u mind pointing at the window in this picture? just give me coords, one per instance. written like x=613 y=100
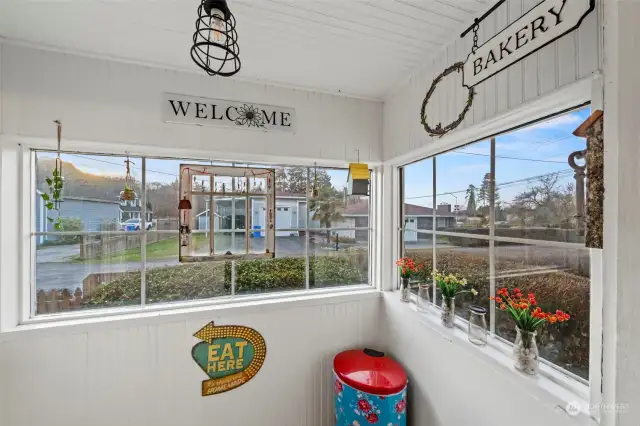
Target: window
x=527 y=231
x=114 y=253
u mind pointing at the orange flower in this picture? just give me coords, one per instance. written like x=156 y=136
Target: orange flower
x=499 y=299
x=503 y=307
x=524 y=305
x=552 y=319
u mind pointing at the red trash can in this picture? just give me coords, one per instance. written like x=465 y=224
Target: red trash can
x=370 y=388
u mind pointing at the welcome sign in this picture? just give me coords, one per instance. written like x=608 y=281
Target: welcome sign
x=218 y=112
x=230 y=355
x=546 y=22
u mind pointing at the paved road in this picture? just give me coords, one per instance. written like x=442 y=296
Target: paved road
x=57 y=253
x=53 y=271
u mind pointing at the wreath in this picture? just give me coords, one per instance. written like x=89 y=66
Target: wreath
x=439 y=130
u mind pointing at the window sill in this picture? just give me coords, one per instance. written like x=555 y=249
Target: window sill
x=550 y=384
x=168 y=312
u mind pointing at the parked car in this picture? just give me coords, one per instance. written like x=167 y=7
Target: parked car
x=134 y=225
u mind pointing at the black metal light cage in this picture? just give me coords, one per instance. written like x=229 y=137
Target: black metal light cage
x=214 y=57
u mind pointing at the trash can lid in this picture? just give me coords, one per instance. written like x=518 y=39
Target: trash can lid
x=370 y=371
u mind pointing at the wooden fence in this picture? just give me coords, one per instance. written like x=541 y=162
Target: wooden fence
x=56 y=301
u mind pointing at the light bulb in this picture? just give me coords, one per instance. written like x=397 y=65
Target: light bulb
x=218 y=25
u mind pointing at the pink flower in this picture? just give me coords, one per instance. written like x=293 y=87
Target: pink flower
x=337 y=386
x=372 y=418
x=401 y=406
x=364 y=405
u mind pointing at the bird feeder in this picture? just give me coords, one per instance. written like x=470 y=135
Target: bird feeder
x=358 y=180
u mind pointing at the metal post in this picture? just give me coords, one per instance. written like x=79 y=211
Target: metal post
x=579 y=177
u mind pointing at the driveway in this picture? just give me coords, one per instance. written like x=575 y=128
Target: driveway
x=57 y=253
x=53 y=271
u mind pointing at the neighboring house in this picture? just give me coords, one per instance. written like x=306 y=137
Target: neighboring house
x=291 y=210
x=132 y=209
x=91 y=212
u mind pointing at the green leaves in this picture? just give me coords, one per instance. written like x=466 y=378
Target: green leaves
x=53 y=197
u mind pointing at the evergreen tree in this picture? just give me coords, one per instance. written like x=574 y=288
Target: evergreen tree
x=471 y=200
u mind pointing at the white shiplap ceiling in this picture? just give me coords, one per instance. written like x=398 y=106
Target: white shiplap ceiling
x=358 y=47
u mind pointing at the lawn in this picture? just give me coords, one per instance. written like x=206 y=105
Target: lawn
x=164 y=249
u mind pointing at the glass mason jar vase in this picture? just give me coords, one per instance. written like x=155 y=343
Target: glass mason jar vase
x=448 y=315
x=405 y=290
x=477 y=325
x=525 y=352
x=424 y=300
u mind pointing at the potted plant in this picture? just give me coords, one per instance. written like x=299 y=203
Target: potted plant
x=528 y=318
x=408 y=269
x=450 y=287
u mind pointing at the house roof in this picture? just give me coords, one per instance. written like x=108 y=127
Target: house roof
x=290 y=195
x=409 y=210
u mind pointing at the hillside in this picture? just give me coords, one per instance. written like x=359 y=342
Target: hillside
x=80 y=184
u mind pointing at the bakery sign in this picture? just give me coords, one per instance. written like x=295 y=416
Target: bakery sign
x=230 y=356
x=185 y=109
x=544 y=23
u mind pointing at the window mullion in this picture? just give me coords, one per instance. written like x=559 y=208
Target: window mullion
x=433 y=228
x=492 y=234
x=143 y=236
x=306 y=233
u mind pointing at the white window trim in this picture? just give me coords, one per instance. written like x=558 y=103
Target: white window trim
x=22 y=313
x=586 y=90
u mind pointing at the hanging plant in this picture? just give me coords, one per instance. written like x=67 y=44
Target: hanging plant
x=55 y=183
x=439 y=130
x=127 y=194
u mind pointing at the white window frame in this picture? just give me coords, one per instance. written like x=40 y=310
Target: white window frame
x=26 y=314
x=565 y=99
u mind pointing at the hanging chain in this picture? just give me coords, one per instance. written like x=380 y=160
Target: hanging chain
x=476 y=27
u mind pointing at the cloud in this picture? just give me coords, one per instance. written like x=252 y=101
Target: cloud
x=566 y=122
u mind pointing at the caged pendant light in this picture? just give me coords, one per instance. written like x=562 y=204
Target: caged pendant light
x=215 y=42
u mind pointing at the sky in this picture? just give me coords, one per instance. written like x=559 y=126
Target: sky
x=158 y=170
x=524 y=154
x=521 y=156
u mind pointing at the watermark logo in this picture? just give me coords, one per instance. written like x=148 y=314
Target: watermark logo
x=572 y=408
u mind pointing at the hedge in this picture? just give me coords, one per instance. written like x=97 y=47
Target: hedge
x=212 y=279
x=567 y=344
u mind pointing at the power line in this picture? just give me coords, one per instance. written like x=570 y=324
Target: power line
x=511 y=158
x=559 y=173
x=118 y=164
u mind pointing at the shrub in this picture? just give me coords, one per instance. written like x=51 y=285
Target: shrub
x=173 y=283
x=567 y=344
x=211 y=279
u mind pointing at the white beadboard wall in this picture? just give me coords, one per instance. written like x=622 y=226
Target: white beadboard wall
x=140 y=372
x=569 y=59
x=451 y=384
x=119 y=103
